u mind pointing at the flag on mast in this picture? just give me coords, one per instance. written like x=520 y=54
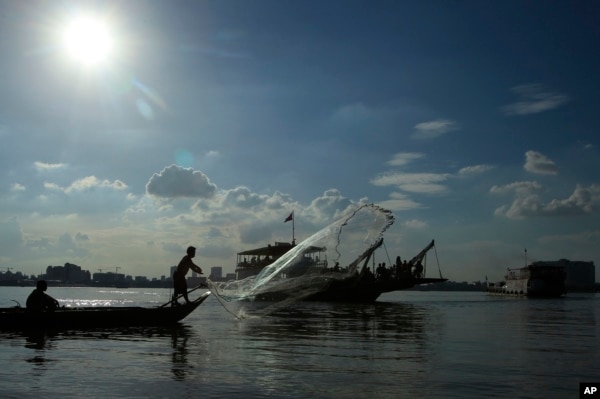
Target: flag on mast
x=291 y=217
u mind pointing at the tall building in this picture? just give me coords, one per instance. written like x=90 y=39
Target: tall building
x=581 y=276
x=216 y=273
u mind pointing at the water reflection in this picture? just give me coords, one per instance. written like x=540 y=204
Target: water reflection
x=379 y=320
x=43 y=343
x=179 y=340
x=378 y=341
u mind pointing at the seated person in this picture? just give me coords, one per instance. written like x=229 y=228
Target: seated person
x=38 y=300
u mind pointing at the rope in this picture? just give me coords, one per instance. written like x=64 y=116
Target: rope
x=438 y=261
x=386 y=253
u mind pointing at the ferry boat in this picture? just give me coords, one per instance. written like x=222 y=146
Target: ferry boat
x=535 y=280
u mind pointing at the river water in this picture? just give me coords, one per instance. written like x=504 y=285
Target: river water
x=409 y=344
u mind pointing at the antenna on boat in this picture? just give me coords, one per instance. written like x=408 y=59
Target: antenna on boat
x=525 y=257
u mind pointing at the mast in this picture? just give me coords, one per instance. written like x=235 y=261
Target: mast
x=421 y=254
x=291 y=217
x=293 y=229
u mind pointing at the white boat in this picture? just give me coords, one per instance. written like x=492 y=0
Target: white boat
x=535 y=280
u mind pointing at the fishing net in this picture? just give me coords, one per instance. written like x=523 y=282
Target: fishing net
x=336 y=252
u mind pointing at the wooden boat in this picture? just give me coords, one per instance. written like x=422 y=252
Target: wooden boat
x=535 y=280
x=365 y=285
x=18 y=318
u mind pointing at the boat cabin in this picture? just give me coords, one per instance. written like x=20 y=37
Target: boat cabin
x=251 y=262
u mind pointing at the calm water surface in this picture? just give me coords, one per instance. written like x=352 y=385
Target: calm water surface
x=409 y=344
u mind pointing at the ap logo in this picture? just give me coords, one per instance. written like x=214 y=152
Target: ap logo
x=589 y=390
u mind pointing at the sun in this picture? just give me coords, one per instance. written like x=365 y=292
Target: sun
x=88 y=41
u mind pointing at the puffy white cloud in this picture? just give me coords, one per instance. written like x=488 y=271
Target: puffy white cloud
x=177 y=182
x=328 y=206
x=583 y=200
x=242 y=197
x=534 y=98
x=433 y=129
x=527 y=203
x=539 y=163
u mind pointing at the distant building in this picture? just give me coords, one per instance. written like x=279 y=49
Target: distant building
x=69 y=273
x=195 y=281
x=581 y=276
x=216 y=273
x=230 y=276
x=109 y=278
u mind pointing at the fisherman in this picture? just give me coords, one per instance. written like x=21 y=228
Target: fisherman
x=179 y=281
x=419 y=270
x=39 y=301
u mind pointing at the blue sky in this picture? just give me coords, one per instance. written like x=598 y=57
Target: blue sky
x=207 y=122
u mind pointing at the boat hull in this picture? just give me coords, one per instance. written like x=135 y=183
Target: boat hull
x=86 y=317
x=352 y=290
x=368 y=291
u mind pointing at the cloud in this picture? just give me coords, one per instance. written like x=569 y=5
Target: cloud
x=534 y=98
x=42 y=166
x=519 y=187
x=330 y=205
x=584 y=200
x=399 y=202
x=426 y=183
x=177 y=182
x=527 y=203
x=540 y=164
x=90 y=183
x=242 y=197
x=415 y=224
x=212 y=155
x=85 y=184
x=88 y=195
x=16 y=187
x=421 y=183
x=403 y=158
x=474 y=170
x=433 y=129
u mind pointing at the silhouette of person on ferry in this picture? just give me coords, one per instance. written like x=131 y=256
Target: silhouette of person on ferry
x=39 y=301
x=179 y=281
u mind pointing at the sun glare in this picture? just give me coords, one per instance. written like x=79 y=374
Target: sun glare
x=88 y=41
